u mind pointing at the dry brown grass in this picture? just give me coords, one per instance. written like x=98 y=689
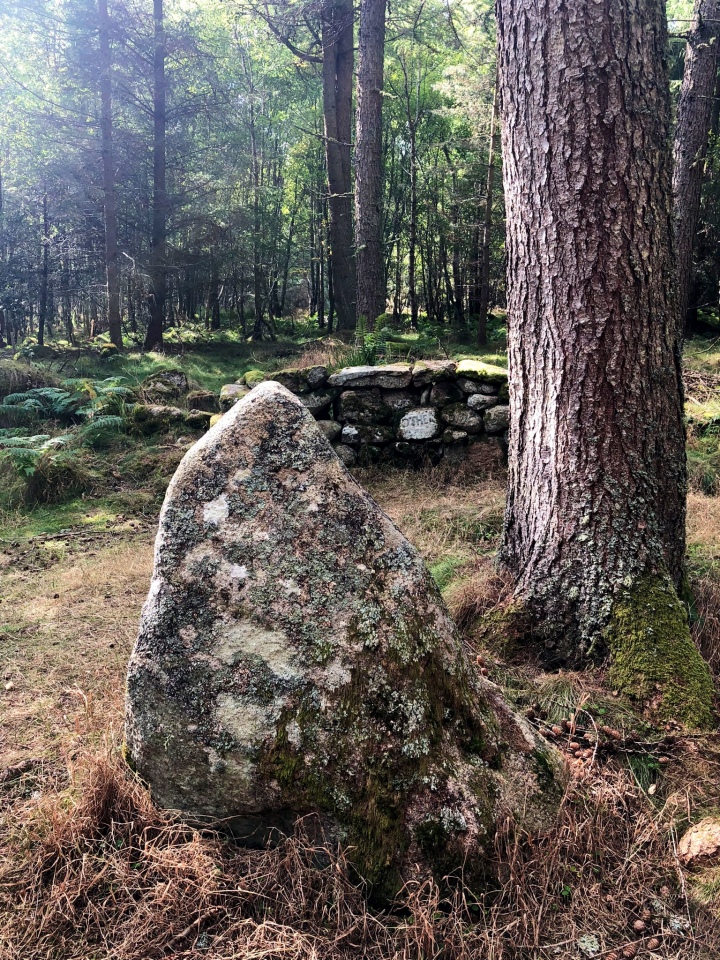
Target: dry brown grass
x=90 y=869
x=94 y=870
x=330 y=352
x=67 y=631
x=441 y=512
x=483 y=590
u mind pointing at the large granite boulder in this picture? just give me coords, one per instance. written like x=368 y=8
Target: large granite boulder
x=295 y=656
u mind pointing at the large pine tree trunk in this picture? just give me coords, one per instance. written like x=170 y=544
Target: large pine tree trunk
x=158 y=249
x=691 y=135
x=371 y=298
x=337 y=72
x=595 y=519
x=109 y=195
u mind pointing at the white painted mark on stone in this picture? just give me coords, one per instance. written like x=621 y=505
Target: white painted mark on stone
x=419 y=424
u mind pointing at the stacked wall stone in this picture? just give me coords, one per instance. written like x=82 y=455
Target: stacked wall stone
x=432 y=410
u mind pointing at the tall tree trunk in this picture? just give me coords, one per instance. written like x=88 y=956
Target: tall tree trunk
x=112 y=270
x=330 y=273
x=412 y=238
x=337 y=74
x=257 y=232
x=214 y=293
x=371 y=296
x=487 y=226
x=67 y=298
x=595 y=518
x=691 y=137
x=158 y=249
x=455 y=289
x=43 y=312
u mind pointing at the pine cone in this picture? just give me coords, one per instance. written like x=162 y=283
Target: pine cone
x=653 y=944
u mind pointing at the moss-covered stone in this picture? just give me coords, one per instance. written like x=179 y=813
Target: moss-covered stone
x=164 y=385
x=203 y=400
x=154 y=418
x=253 y=377
x=653 y=656
x=289 y=378
x=482 y=372
x=230 y=394
x=198 y=419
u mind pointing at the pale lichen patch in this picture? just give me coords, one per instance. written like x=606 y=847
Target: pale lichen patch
x=216 y=510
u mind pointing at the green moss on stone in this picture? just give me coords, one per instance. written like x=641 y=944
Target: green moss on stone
x=253 y=377
x=482 y=372
x=376 y=779
x=654 y=658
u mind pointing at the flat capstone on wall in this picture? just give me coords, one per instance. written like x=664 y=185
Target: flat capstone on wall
x=433 y=410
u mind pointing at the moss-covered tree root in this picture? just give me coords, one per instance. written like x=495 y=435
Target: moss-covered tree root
x=653 y=656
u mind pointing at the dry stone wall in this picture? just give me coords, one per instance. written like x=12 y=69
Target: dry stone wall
x=432 y=410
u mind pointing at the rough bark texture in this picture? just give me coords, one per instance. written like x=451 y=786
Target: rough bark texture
x=109 y=196
x=337 y=72
x=596 y=494
x=371 y=299
x=487 y=228
x=158 y=267
x=691 y=135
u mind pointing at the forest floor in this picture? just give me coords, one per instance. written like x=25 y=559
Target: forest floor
x=89 y=869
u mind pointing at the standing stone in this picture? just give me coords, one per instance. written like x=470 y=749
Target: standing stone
x=295 y=656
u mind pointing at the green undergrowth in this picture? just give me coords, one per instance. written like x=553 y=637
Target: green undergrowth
x=129 y=478
x=703 y=459
x=444 y=570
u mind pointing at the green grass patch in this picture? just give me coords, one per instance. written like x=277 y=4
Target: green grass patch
x=443 y=571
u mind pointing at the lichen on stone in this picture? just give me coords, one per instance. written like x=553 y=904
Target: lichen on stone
x=295 y=656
